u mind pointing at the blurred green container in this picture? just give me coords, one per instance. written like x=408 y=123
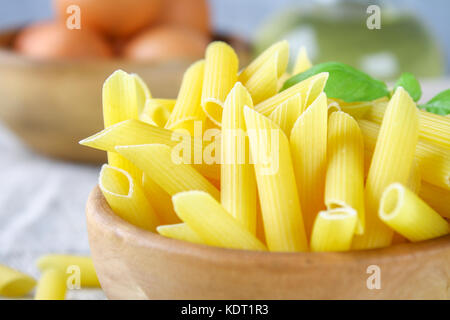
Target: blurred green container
x=337 y=31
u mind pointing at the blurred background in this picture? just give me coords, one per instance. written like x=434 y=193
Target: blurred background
x=51 y=78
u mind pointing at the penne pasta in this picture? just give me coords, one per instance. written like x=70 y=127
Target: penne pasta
x=143 y=93
x=220 y=75
x=160 y=200
x=356 y=109
x=264 y=82
x=280 y=48
x=134 y=132
x=433 y=128
x=433 y=160
x=238 y=184
x=410 y=216
x=14 y=283
x=333 y=107
x=179 y=231
x=129 y=132
x=345 y=169
x=302 y=62
x=206 y=217
x=282 y=217
x=120 y=98
x=391 y=162
x=316 y=87
x=51 y=286
x=303 y=88
x=334 y=229
x=287 y=113
x=188 y=109
x=158 y=162
x=88 y=276
x=437 y=198
x=309 y=153
x=126 y=198
x=157 y=111
x=415 y=178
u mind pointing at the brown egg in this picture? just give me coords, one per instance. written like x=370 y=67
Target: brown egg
x=118 y=18
x=193 y=14
x=54 y=40
x=166 y=42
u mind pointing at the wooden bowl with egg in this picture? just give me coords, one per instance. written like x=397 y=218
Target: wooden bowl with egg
x=132 y=263
x=53 y=103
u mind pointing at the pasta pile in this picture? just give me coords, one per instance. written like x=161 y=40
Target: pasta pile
x=57 y=273
x=234 y=162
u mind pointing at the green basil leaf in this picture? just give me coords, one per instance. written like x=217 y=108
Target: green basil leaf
x=439 y=104
x=410 y=84
x=344 y=82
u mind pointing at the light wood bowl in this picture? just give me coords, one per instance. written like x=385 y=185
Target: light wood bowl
x=132 y=263
x=51 y=105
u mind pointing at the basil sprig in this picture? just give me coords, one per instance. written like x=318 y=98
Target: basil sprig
x=344 y=82
x=439 y=104
x=410 y=84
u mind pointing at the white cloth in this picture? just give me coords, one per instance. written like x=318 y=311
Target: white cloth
x=42 y=204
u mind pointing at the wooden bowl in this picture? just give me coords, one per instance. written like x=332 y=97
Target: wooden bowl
x=51 y=105
x=135 y=264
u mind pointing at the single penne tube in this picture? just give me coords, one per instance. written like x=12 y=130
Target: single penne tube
x=280 y=48
x=334 y=229
x=14 y=283
x=129 y=132
x=287 y=113
x=180 y=231
x=264 y=82
x=238 y=183
x=302 y=62
x=266 y=107
x=188 y=108
x=309 y=153
x=344 y=185
x=127 y=198
x=64 y=262
x=207 y=218
x=433 y=160
x=437 y=198
x=282 y=216
x=315 y=88
x=134 y=132
x=120 y=98
x=160 y=200
x=433 y=128
x=403 y=211
x=157 y=111
x=221 y=68
x=121 y=101
x=52 y=285
x=159 y=163
x=391 y=162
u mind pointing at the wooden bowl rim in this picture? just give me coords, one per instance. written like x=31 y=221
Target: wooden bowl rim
x=99 y=212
